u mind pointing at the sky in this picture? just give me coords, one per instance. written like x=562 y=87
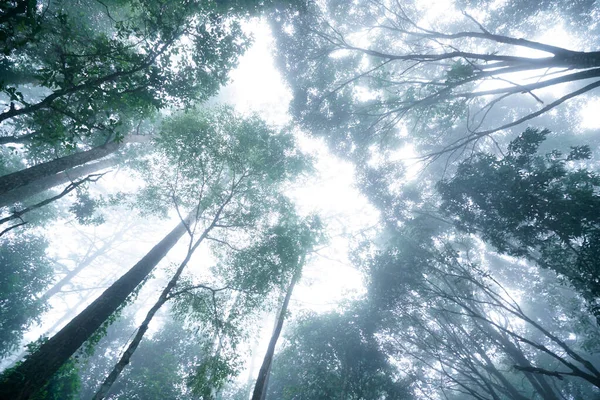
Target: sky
x=257 y=86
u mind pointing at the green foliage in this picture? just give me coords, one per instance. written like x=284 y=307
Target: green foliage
x=202 y=156
x=532 y=205
x=270 y=263
x=252 y=275
x=115 y=63
x=64 y=384
x=211 y=375
x=25 y=272
x=333 y=356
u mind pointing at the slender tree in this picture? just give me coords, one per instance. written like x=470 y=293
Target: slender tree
x=37 y=174
x=260 y=386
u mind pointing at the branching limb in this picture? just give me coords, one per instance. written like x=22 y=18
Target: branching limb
x=67 y=190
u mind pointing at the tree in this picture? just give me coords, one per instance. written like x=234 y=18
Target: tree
x=534 y=206
x=260 y=387
x=292 y=249
x=113 y=62
x=333 y=356
x=468 y=333
x=367 y=73
x=225 y=163
x=25 y=273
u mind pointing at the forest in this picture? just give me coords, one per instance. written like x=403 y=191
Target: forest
x=299 y=199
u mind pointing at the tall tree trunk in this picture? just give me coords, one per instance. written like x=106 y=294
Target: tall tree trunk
x=35 y=371
x=42 y=171
x=260 y=387
x=114 y=374
x=164 y=296
x=22 y=193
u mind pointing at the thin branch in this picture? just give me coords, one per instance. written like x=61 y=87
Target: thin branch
x=12 y=227
x=199 y=286
x=67 y=190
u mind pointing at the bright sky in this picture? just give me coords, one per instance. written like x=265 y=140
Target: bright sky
x=257 y=86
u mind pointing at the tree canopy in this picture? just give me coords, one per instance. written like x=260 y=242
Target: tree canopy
x=423 y=222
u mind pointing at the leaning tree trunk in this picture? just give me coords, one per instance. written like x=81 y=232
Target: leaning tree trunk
x=114 y=374
x=164 y=296
x=22 y=193
x=42 y=171
x=37 y=369
x=260 y=387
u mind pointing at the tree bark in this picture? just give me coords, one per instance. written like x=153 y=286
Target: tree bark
x=37 y=172
x=42 y=171
x=164 y=296
x=260 y=387
x=22 y=193
x=35 y=371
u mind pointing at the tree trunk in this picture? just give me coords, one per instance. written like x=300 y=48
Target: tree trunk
x=43 y=171
x=164 y=296
x=24 y=192
x=114 y=374
x=34 y=372
x=260 y=387
x=37 y=172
